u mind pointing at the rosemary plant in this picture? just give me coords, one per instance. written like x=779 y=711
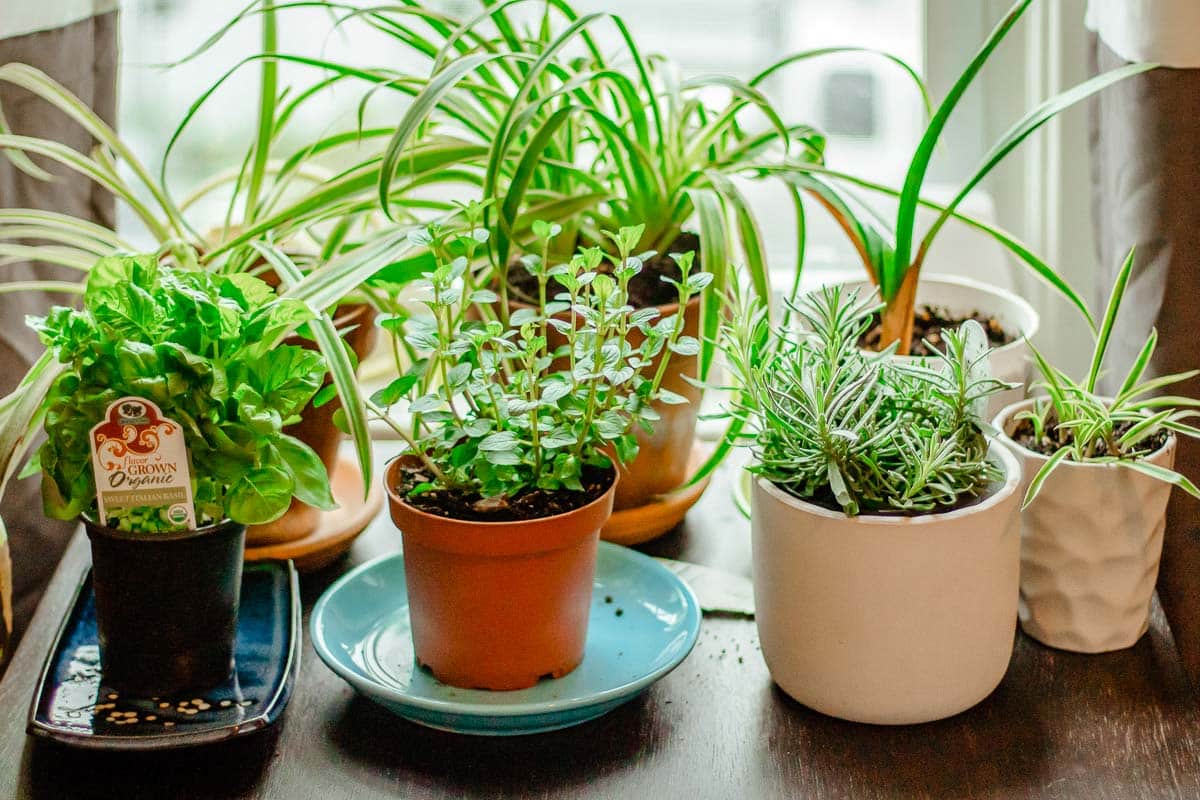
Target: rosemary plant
x=861 y=431
x=1073 y=423
x=501 y=408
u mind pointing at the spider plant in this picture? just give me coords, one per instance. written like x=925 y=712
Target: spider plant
x=608 y=142
x=274 y=200
x=893 y=258
x=1073 y=423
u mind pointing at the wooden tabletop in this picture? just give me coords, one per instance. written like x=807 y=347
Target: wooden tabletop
x=1123 y=725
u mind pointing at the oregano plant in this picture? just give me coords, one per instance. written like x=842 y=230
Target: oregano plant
x=503 y=404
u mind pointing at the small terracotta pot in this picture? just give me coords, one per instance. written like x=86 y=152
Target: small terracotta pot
x=884 y=619
x=166 y=605
x=1090 y=547
x=498 y=605
x=316 y=429
x=662 y=462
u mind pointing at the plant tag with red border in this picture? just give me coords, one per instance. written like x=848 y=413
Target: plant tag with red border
x=140 y=461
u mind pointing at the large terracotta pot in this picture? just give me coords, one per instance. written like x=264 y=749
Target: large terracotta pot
x=965 y=296
x=1090 y=548
x=885 y=619
x=498 y=605
x=316 y=428
x=663 y=456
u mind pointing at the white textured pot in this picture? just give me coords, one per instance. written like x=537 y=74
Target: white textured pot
x=964 y=296
x=889 y=620
x=1090 y=547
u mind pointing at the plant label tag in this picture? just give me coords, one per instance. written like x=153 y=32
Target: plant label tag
x=140 y=462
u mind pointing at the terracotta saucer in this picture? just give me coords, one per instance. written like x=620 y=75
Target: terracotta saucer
x=632 y=526
x=337 y=529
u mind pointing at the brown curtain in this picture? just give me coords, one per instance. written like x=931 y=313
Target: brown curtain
x=83 y=57
x=1145 y=145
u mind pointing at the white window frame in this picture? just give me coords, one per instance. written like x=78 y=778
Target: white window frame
x=1042 y=193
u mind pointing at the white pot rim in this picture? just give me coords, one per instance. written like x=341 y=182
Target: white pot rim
x=1008 y=412
x=1012 y=481
x=1012 y=298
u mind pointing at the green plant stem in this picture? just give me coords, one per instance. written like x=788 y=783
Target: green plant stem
x=589 y=415
x=676 y=332
x=413 y=447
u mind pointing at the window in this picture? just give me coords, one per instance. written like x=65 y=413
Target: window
x=869 y=106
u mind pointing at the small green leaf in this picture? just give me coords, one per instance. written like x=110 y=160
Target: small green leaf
x=685 y=346
x=308 y=473
x=671 y=398
x=260 y=496
x=499 y=441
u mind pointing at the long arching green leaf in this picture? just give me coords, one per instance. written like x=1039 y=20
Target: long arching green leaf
x=1026 y=126
x=1039 y=479
x=714 y=258
x=906 y=215
x=828 y=51
x=268 y=87
x=725 y=444
x=749 y=236
x=801 y=246
x=1110 y=319
x=64 y=223
x=422 y=106
x=90 y=169
x=1162 y=474
x=1010 y=242
x=341 y=369
x=1138 y=368
x=20 y=413
x=65 y=287
x=39 y=83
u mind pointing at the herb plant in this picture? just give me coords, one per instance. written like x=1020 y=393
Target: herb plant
x=1073 y=423
x=598 y=141
x=498 y=409
x=204 y=348
x=893 y=258
x=860 y=431
x=299 y=197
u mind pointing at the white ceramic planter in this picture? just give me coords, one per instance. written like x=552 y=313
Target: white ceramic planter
x=1090 y=548
x=964 y=296
x=889 y=620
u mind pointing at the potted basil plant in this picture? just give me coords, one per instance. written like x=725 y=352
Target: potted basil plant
x=510 y=468
x=884 y=524
x=164 y=434
x=1099 y=477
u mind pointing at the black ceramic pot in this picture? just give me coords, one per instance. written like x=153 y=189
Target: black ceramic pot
x=166 y=606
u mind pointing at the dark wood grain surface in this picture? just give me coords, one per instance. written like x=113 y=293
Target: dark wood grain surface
x=1124 y=725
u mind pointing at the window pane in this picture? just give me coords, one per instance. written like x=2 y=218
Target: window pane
x=868 y=106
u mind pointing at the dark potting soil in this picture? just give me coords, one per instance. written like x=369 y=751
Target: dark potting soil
x=646 y=289
x=527 y=505
x=1049 y=444
x=826 y=500
x=928 y=324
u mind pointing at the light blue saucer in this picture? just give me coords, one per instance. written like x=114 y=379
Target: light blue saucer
x=360 y=629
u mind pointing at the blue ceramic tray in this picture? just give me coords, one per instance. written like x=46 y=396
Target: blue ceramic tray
x=644 y=622
x=72 y=704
